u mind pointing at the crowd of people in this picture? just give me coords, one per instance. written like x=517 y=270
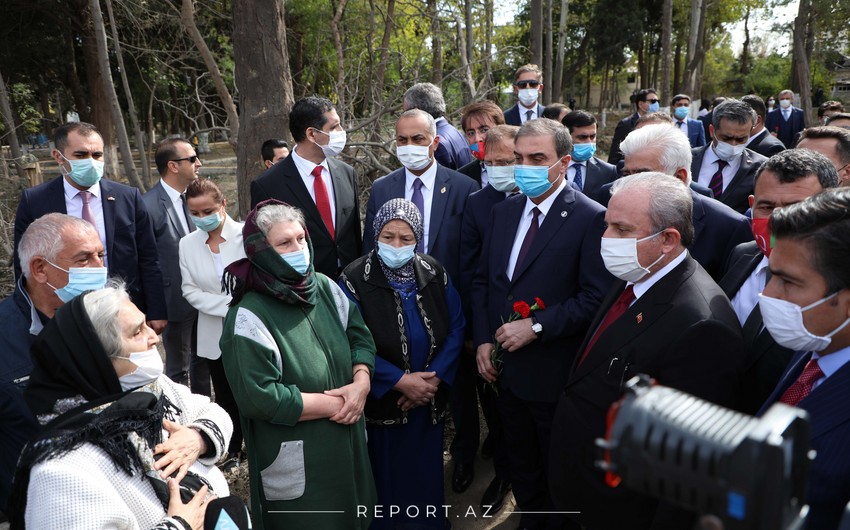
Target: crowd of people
x=503 y=264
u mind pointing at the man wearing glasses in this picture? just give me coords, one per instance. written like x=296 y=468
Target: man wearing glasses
x=528 y=85
x=646 y=100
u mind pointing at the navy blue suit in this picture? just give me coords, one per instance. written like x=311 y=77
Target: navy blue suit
x=512 y=114
x=452 y=151
x=696 y=133
x=450 y=192
x=829 y=476
x=597 y=174
x=766 y=144
x=131 y=248
x=785 y=130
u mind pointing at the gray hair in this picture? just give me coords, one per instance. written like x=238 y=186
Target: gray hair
x=44 y=237
x=427 y=97
x=735 y=111
x=673 y=148
x=102 y=307
x=432 y=124
x=670 y=203
x=272 y=214
x=547 y=127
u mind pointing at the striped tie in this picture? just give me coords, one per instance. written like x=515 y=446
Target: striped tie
x=716 y=183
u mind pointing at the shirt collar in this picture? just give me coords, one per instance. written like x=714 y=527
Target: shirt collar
x=829 y=364
x=546 y=204
x=173 y=194
x=305 y=167
x=642 y=287
x=71 y=191
x=36 y=325
x=428 y=178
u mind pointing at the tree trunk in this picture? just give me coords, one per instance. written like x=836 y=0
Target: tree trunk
x=465 y=65
x=109 y=88
x=266 y=96
x=666 y=49
x=487 y=80
x=800 y=80
x=745 y=50
x=558 y=79
x=12 y=128
x=131 y=106
x=340 y=59
x=548 y=59
x=469 y=36
x=73 y=78
x=436 y=44
x=378 y=85
x=696 y=50
x=677 y=68
x=536 y=43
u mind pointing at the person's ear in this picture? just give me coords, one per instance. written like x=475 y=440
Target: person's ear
x=751 y=199
x=38 y=272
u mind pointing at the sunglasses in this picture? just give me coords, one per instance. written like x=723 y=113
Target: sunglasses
x=527 y=84
x=190 y=159
x=651 y=101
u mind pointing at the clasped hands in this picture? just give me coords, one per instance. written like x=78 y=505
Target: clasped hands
x=353 y=400
x=417 y=388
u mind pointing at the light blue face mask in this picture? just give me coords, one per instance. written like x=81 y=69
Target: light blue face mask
x=80 y=280
x=207 y=223
x=394 y=257
x=298 y=259
x=583 y=152
x=533 y=181
x=681 y=112
x=654 y=107
x=86 y=172
x=501 y=178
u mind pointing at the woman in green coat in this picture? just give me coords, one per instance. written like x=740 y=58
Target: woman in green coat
x=299 y=360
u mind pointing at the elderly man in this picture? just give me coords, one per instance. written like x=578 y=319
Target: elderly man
x=833 y=143
x=786 y=121
x=452 y=151
x=541 y=244
x=61 y=256
x=664 y=317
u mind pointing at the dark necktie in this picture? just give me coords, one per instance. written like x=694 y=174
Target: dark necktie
x=577 y=180
x=419 y=201
x=87 y=213
x=528 y=115
x=189 y=224
x=620 y=306
x=323 y=203
x=529 y=238
x=716 y=183
x=802 y=387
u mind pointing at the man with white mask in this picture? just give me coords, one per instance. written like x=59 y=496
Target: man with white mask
x=528 y=87
x=806 y=308
x=725 y=165
x=666 y=318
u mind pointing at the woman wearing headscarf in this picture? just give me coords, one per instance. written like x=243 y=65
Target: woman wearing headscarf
x=299 y=360
x=124 y=447
x=415 y=316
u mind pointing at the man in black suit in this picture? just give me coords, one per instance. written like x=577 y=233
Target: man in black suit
x=707 y=118
x=273 y=151
x=542 y=244
x=786 y=121
x=329 y=202
x=646 y=100
x=177 y=164
x=726 y=165
x=717 y=228
x=477 y=119
x=586 y=172
x=528 y=87
x=786 y=178
x=833 y=143
x=761 y=141
x=664 y=317
x=452 y=151
x=116 y=211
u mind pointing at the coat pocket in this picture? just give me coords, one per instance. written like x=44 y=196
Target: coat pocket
x=284 y=479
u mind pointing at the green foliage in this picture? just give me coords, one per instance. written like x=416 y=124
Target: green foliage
x=768 y=75
x=24 y=100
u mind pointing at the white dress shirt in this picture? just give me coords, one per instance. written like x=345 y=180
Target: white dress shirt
x=74 y=207
x=525 y=223
x=709 y=168
x=747 y=297
x=305 y=169
x=523 y=112
x=429 y=180
x=571 y=172
x=177 y=203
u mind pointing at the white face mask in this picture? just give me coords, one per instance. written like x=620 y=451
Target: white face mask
x=728 y=152
x=501 y=178
x=528 y=96
x=621 y=258
x=785 y=103
x=413 y=157
x=335 y=144
x=149 y=368
x=784 y=322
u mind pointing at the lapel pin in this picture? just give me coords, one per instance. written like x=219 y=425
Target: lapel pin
x=443 y=190
x=639 y=318
x=110 y=198
x=564 y=213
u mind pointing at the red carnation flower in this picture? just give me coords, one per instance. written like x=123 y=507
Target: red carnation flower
x=522 y=308
x=539 y=303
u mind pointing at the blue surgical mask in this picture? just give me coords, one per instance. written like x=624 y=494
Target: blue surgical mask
x=583 y=152
x=80 y=280
x=681 y=112
x=501 y=178
x=207 y=223
x=533 y=181
x=298 y=260
x=393 y=257
x=86 y=172
x=653 y=107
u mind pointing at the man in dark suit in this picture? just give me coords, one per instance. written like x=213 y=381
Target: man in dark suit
x=330 y=203
x=116 y=210
x=761 y=141
x=586 y=172
x=707 y=118
x=273 y=151
x=476 y=119
x=177 y=164
x=717 y=228
x=528 y=87
x=726 y=165
x=833 y=143
x=523 y=258
x=785 y=179
x=810 y=275
x=786 y=121
x=453 y=151
x=680 y=108
x=664 y=317
x=646 y=100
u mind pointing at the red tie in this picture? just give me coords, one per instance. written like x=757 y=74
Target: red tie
x=616 y=311
x=802 y=387
x=320 y=191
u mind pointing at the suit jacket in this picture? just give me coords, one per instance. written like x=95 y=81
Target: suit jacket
x=452 y=151
x=624 y=127
x=696 y=133
x=829 y=475
x=598 y=174
x=765 y=361
x=563 y=267
x=131 y=249
x=473 y=171
x=202 y=286
x=784 y=130
x=735 y=195
x=512 y=116
x=283 y=182
x=682 y=332
x=450 y=192
x=168 y=231
x=706 y=121
x=766 y=145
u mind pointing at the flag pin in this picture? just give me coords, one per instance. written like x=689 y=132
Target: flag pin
x=443 y=190
x=639 y=318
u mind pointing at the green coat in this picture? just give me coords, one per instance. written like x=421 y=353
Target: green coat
x=272 y=351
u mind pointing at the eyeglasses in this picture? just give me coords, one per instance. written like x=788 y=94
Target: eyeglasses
x=527 y=84
x=191 y=159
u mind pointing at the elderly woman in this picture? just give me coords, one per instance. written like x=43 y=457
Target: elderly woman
x=416 y=319
x=123 y=446
x=299 y=360
x=203 y=256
